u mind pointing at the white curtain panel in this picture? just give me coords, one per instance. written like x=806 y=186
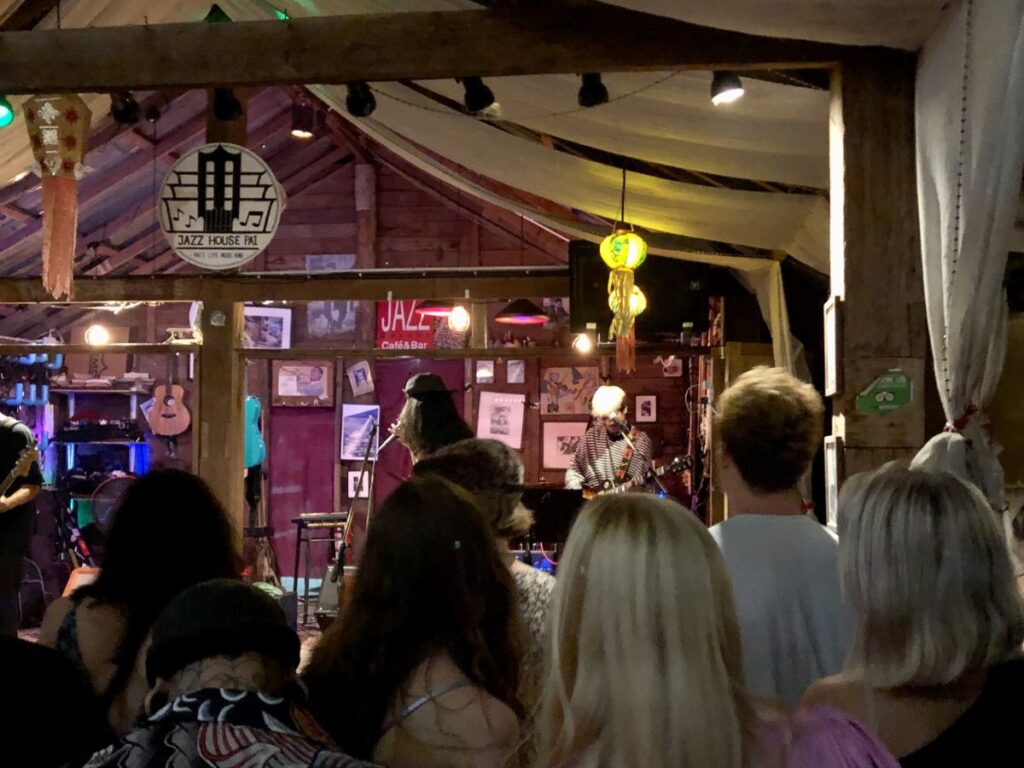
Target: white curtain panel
x=970 y=153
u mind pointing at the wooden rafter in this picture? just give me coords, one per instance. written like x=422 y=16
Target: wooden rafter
x=419 y=46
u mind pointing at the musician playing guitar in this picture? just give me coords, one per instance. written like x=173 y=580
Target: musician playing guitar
x=20 y=475
x=605 y=457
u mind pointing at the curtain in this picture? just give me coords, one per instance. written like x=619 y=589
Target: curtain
x=970 y=153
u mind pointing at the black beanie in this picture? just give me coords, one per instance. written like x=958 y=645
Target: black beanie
x=221 y=617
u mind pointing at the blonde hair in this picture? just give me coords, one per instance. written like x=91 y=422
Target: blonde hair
x=645 y=663
x=771 y=425
x=607 y=400
x=924 y=565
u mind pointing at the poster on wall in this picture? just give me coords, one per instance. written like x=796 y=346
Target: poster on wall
x=358 y=424
x=568 y=390
x=326 y=319
x=500 y=417
x=303 y=382
x=399 y=326
x=515 y=372
x=561 y=439
x=219 y=206
x=268 y=328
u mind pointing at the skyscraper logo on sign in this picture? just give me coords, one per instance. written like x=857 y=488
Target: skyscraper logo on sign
x=220 y=206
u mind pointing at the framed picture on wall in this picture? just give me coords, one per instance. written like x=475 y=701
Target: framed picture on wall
x=833 y=382
x=268 y=328
x=515 y=372
x=484 y=371
x=303 y=382
x=359 y=423
x=833 y=471
x=561 y=439
x=646 y=408
x=364 y=489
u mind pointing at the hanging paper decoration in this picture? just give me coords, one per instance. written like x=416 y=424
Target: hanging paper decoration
x=623 y=251
x=58 y=127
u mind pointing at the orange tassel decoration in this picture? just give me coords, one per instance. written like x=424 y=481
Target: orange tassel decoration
x=58 y=127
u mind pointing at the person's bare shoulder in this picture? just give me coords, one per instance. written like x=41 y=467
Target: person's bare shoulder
x=841 y=691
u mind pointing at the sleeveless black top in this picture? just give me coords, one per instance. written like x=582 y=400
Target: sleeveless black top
x=988 y=733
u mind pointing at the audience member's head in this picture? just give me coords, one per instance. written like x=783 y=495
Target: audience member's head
x=221 y=633
x=771 y=425
x=925 y=566
x=493 y=473
x=49 y=709
x=168 y=532
x=431 y=581
x=646 y=663
x=429 y=419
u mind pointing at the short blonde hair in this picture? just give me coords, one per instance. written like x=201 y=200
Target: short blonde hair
x=645 y=659
x=924 y=564
x=771 y=425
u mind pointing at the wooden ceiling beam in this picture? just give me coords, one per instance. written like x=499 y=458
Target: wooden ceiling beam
x=364 y=285
x=383 y=47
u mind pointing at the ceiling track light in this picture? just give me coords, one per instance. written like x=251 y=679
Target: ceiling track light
x=726 y=87
x=124 y=109
x=478 y=96
x=592 y=91
x=226 y=106
x=303 y=120
x=359 y=101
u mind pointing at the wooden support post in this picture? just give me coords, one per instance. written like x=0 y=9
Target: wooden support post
x=221 y=401
x=876 y=256
x=366 y=245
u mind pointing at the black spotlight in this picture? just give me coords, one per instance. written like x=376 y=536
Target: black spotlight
x=303 y=120
x=478 y=96
x=124 y=108
x=592 y=90
x=226 y=106
x=726 y=87
x=360 y=101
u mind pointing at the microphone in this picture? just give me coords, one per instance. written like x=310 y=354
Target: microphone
x=390 y=439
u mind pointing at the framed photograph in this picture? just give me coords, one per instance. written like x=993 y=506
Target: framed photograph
x=268 y=328
x=303 y=382
x=557 y=310
x=833 y=328
x=568 y=390
x=646 y=408
x=673 y=368
x=561 y=439
x=360 y=378
x=834 y=470
x=364 y=489
x=484 y=371
x=500 y=417
x=358 y=423
x=515 y=372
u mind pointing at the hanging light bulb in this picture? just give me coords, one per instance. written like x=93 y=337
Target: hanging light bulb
x=726 y=87
x=459 y=319
x=97 y=335
x=303 y=120
x=226 y=106
x=583 y=343
x=6 y=112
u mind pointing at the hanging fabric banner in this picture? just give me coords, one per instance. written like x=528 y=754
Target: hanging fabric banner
x=58 y=127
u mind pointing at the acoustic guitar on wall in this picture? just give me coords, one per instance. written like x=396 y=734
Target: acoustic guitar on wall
x=169 y=417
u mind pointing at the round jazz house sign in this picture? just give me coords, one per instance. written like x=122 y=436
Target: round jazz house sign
x=219 y=206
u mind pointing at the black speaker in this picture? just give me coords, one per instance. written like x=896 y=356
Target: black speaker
x=677 y=292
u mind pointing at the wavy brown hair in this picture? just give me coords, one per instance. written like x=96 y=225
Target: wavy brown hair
x=431 y=580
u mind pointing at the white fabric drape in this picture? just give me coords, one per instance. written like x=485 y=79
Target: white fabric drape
x=970 y=153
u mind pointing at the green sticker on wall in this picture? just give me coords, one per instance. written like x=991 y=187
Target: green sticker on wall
x=889 y=392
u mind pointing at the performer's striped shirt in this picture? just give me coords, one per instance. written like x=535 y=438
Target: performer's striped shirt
x=599 y=456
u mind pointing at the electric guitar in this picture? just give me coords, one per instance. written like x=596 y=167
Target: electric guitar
x=29 y=455
x=678 y=465
x=169 y=417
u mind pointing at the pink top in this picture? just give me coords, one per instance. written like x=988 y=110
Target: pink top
x=821 y=737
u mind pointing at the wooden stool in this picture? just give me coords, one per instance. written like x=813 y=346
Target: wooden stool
x=306 y=529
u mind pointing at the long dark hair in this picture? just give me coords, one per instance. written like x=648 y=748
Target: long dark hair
x=169 y=532
x=431 y=580
x=432 y=422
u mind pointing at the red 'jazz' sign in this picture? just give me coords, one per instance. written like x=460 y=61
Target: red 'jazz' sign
x=400 y=327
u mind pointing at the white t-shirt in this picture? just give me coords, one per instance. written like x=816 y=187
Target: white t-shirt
x=785 y=577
